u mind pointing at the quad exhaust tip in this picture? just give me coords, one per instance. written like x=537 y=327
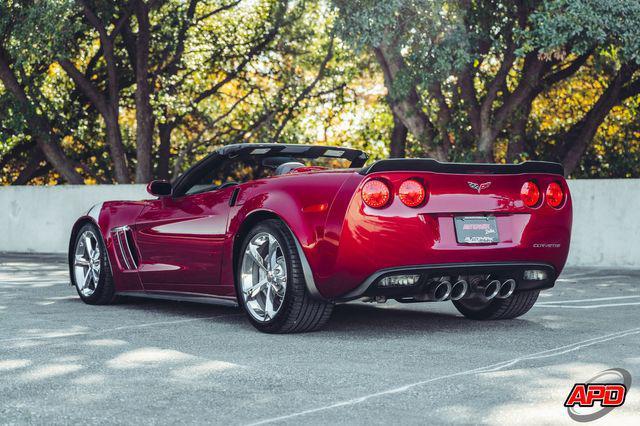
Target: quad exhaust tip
x=506 y=289
x=459 y=290
x=439 y=291
x=490 y=289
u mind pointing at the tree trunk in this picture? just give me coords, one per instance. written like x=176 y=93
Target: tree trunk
x=56 y=156
x=108 y=107
x=108 y=103
x=517 y=144
x=578 y=138
x=144 y=112
x=31 y=168
x=40 y=128
x=408 y=107
x=485 y=145
x=492 y=122
x=398 y=143
x=116 y=148
x=164 y=151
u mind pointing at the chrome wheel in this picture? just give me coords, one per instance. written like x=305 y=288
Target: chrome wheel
x=86 y=264
x=263 y=277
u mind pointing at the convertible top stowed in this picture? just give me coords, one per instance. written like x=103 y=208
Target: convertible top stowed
x=291 y=152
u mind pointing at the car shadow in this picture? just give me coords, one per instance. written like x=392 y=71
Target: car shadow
x=168 y=307
x=401 y=319
x=347 y=319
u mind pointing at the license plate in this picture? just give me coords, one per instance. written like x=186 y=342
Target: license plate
x=476 y=229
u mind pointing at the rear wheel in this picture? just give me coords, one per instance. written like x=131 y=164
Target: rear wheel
x=271 y=283
x=512 y=307
x=90 y=269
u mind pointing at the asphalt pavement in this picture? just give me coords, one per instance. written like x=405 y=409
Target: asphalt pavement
x=156 y=362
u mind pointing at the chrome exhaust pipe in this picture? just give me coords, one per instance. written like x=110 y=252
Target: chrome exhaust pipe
x=459 y=290
x=489 y=289
x=506 y=289
x=439 y=291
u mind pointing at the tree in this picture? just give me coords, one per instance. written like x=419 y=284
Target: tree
x=22 y=105
x=462 y=75
x=102 y=91
x=133 y=84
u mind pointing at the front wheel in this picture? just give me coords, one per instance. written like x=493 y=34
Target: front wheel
x=90 y=269
x=512 y=307
x=271 y=283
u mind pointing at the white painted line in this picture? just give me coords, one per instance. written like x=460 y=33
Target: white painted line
x=561 y=350
x=598 y=299
x=604 y=277
x=589 y=276
x=609 y=305
x=107 y=330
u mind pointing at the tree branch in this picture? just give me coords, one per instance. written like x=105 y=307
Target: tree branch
x=88 y=89
x=407 y=107
x=576 y=141
x=306 y=91
x=468 y=96
x=532 y=70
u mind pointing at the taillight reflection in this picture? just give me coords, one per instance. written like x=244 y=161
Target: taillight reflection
x=376 y=194
x=530 y=194
x=411 y=193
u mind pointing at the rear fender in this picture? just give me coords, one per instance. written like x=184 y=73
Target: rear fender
x=304 y=212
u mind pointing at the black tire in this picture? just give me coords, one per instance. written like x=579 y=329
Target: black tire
x=105 y=291
x=496 y=309
x=299 y=312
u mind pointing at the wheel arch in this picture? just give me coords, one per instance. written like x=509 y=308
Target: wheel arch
x=72 y=239
x=83 y=220
x=251 y=220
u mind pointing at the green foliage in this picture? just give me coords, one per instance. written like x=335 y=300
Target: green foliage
x=40 y=29
x=439 y=44
x=228 y=71
x=577 y=26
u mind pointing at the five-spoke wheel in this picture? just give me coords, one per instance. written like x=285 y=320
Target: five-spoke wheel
x=86 y=266
x=263 y=276
x=271 y=284
x=89 y=266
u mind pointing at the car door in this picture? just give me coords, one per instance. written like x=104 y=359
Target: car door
x=181 y=242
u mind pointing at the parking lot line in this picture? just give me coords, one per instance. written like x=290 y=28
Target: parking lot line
x=561 y=350
x=597 y=299
x=607 y=305
x=108 y=330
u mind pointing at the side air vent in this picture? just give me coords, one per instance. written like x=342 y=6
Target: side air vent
x=125 y=248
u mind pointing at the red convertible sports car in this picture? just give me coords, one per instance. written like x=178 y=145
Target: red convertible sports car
x=288 y=231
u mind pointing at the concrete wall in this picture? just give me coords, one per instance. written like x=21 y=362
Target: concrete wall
x=39 y=218
x=606 y=221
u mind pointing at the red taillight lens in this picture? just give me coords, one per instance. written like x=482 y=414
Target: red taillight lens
x=411 y=193
x=554 y=194
x=530 y=194
x=375 y=193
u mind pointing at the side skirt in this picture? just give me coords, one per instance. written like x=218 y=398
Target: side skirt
x=182 y=297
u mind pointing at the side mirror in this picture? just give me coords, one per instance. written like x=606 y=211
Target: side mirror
x=159 y=188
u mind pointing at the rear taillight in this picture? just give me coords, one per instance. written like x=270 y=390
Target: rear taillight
x=375 y=193
x=530 y=194
x=411 y=193
x=554 y=194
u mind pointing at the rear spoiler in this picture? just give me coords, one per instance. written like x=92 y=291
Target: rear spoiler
x=431 y=165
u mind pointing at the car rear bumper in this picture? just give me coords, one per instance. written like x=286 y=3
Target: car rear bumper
x=496 y=270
